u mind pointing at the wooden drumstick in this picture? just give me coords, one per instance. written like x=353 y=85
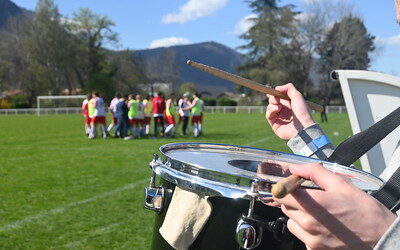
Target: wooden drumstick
x=286 y=186
x=248 y=83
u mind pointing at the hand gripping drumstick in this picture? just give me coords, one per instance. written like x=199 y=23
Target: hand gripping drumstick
x=248 y=83
x=348 y=150
x=286 y=186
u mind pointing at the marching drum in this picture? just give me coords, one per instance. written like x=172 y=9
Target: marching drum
x=238 y=180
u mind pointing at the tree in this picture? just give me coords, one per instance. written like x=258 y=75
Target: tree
x=39 y=56
x=47 y=53
x=283 y=43
x=51 y=47
x=346 y=46
x=162 y=68
x=17 y=67
x=268 y=42
x=312 y=26
x=187 y=87
x=93 y=31
x=128 y=74
x=169 y=72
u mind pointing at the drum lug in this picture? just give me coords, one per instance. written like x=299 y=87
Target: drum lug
x=248 y=234
x=155 y=197
x=249 y=229
x=156 y=161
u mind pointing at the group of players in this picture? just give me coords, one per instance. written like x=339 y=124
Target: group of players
x=131 y=115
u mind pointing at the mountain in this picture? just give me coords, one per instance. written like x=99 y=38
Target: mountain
x=10 y=10
x=174 y=58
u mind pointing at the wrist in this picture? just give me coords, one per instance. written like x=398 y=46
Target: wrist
x=311 y=137
x=301 y=125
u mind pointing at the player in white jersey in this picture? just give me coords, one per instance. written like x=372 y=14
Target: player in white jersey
x=184 y=112
x=99 y=116
x=112 y=108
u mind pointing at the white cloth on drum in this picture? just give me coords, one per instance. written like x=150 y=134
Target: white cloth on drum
x=187 y=214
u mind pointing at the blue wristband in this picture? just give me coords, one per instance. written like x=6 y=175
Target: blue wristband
x=313 y=146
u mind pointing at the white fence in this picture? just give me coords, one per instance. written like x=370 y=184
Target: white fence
x=43 y=111
x=208 y=109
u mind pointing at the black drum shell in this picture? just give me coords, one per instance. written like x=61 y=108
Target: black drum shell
x=219 y=231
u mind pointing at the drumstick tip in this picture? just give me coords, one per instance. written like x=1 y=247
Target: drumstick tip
x=279 y=191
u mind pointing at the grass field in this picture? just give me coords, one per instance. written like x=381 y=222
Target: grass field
x=59 y=190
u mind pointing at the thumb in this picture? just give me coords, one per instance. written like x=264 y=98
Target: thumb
x=315 y=172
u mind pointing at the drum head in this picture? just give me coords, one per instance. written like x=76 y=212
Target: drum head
x=230 y=171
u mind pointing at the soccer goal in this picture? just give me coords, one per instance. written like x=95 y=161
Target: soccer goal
x=58 y=103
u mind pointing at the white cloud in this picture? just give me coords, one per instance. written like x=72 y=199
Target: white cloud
x=393 y=40
x=169 y=41
x=243 y=25
x=193 y=10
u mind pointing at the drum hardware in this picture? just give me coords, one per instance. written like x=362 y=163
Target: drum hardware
x=155 y=197
x=250 y=227
x=277 y=227
x=249 y=233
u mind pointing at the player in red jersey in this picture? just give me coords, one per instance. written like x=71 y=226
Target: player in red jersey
x=158 y=113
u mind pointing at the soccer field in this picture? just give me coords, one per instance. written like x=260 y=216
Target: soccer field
x=59 y=190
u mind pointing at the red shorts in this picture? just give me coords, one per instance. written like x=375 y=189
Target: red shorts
x=99 y=120
x=115 y=120
x=134 y=121
x=147 y=120
x=87 y=120
x=170 y=119
x=196 y=119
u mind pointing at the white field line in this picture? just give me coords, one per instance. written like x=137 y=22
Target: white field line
x=96 y=232
x=258 y=141
x=46 y=213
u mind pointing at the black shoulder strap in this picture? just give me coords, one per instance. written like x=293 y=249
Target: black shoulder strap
x=389 y=194
x=357 y=145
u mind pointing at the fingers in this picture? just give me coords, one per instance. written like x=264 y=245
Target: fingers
x=298 y=231
x=296 y=103
x=276 y=100
x=288 y=89
x=301 y=199
x=291 y=91
x=273 y=100
x=272 y=113
x=315 y=172
x=303 y=219
x=283 y=88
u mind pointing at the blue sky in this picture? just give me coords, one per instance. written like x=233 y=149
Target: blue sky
x=143 y=24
